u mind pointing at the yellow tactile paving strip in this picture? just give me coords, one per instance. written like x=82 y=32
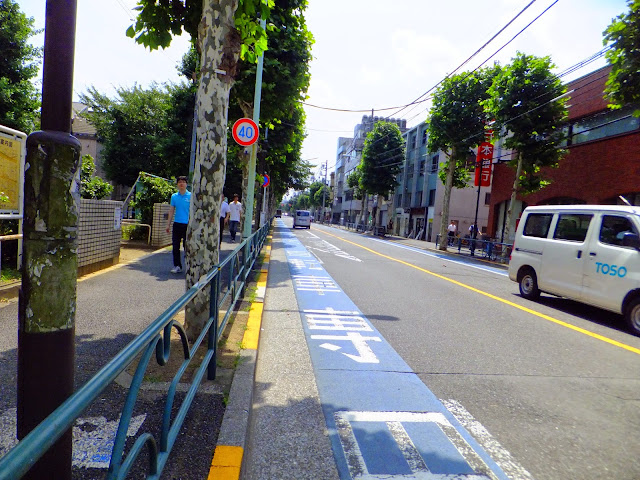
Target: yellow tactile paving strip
x=226 y=463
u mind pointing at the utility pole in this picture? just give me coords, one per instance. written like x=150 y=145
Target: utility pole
x=46 y=314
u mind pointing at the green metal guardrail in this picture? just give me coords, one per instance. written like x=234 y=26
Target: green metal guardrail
x=156 y=337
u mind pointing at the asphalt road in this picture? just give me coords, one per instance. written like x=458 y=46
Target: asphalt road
x=564 y=402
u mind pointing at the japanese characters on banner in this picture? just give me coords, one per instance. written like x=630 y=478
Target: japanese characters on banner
x=483 y=164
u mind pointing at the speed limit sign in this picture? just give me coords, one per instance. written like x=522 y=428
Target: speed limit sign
x=245 y=132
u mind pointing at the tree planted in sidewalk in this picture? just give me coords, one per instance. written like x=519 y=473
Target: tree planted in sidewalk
x=19 y=99
x=382 y=157
x=526 y=100
x=456 y=126
x=623 y=36
x=221 y=29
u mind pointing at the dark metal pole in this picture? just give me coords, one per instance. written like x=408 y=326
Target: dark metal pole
x=46 y=317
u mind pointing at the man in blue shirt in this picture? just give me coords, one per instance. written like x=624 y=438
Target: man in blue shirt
x=180 y=205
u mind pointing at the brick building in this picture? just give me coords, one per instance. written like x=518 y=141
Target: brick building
x=603 y=159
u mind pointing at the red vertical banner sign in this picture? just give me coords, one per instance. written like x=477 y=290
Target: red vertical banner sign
x=484 y=160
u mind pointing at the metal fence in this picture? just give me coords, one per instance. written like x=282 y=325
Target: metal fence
x=489 y=249
x=156 y=338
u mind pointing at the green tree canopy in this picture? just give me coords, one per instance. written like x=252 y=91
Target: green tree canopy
x=285 y=82
x=456 y=125
x=623 y=35
x=19 y=99
x=314 y=188
x=157 y=23
x=143 y=130
x=382 y=158
x=526 y=100
x=353 y=182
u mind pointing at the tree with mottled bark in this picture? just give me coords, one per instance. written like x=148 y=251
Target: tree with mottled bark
x=219 y=43
x=456 y=126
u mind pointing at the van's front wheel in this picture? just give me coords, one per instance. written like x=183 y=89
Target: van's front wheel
x=528 y=283
x=632 y=316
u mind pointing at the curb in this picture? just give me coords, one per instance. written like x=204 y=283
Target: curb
x=229 y=451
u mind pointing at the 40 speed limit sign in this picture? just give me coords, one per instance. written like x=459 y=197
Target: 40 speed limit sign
x=245 y=132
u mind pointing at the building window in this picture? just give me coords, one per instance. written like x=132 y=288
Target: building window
x=487 y=198
x=424 y=137
x=432 y=198
x=434 y=163
x=603 y=125
x=422 y=165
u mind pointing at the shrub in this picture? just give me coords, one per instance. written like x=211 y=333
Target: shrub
x=154 y=190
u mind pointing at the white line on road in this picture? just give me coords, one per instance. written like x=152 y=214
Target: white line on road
x=442 y=257
x=497 y=452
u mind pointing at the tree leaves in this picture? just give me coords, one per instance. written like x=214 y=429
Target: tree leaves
x=623 y=35
x=19 y=99
x=382 y=156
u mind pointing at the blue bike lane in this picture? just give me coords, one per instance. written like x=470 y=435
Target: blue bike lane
x=383 y=422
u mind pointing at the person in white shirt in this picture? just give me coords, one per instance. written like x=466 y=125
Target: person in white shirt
x=224 y=214
x=451 y=232
x=235 y=211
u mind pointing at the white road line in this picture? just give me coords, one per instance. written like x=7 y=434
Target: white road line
x=442 y=257
x=497 y=452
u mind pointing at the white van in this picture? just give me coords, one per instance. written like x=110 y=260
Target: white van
x=589 y=253
x=302 y=218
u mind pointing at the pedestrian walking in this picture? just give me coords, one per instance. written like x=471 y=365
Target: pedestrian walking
x=473 y=235
x=224 y=214
x=235 y=211
x=451 y=232
x=179 y=215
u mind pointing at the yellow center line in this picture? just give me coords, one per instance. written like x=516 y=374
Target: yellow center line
x=494 y=297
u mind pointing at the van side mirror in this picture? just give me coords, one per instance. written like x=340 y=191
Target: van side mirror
x=630 y=239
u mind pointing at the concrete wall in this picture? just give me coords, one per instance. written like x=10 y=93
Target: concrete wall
x=99 y=234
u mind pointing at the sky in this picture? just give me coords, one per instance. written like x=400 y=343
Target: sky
x=368 y=54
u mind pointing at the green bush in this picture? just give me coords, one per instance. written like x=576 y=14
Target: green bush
x=135 y=232
x=154 y=190
x=90 y=185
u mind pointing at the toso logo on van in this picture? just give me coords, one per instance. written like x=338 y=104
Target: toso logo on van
x=613 y=270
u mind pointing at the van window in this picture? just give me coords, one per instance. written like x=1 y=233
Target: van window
x=572 y=227
x=537 y=225
x=302 y=213
x=613 y=228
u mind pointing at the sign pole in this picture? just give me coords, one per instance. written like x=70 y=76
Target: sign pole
x=248 y=211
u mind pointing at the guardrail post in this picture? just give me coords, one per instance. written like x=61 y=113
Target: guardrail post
x=214 y=310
